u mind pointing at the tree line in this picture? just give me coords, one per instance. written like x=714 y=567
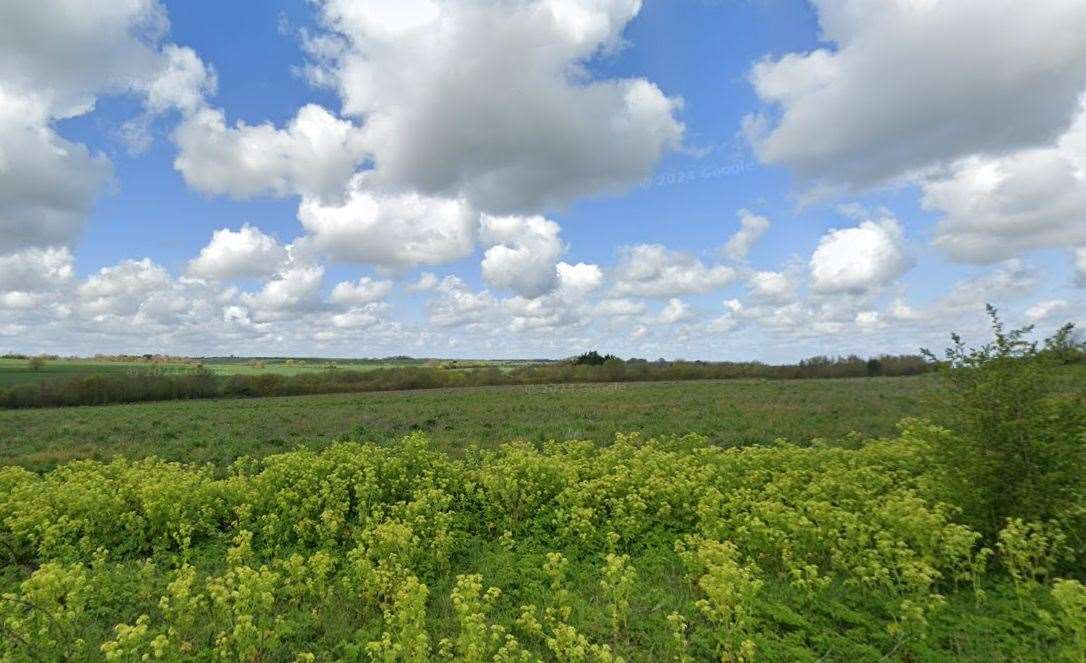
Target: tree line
x=200 y=382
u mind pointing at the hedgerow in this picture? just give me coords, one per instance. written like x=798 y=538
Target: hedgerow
x=645 y=549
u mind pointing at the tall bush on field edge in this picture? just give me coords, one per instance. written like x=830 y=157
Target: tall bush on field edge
x=1021 y=443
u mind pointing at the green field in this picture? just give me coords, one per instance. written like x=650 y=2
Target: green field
x=365 y=528
x=18 y=371
x=728 y=413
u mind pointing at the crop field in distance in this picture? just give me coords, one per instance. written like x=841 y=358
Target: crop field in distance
x=728 y=413
x=16 y=371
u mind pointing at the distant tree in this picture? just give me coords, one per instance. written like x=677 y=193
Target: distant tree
x=874 y=367
x=36 y=363
x=593 y=358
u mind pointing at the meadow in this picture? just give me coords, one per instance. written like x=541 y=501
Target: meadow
x=817 y=520
x=727 y=413
x=19 y=371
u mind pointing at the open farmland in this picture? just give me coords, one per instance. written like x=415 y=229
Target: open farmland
x=728 y=413
x=18 y=371
x=741 y=520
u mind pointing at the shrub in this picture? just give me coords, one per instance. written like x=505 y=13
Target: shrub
x=1022 y=435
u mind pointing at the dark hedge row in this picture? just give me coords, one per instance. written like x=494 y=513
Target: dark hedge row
x=203 y=383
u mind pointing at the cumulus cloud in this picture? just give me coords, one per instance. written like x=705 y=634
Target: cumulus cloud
x=751 y=228
x=459 y=306
x=676 y=310
x=121 y=289
x=523 y=253
x=67 y=52
x=491 y=101
x=858 y=259
x=904 y=86
x=36 y=270
x=394 y=231
x=294 y=290
x=580 y=278
x=619 y=307
x=314 y=155
x=34 y=277
x=57 y=58
x=1043 y=310
x=363 y=316
x=183 y=82
x=426 y=281
x=234 y=254
x=997 y=207
x=47 y=184
x=652 y=270
x=363 y=291
x=769 y=286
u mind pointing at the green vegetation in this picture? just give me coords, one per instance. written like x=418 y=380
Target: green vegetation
x=165 y=381
x=17 y=370
x=648 y=550
x=962 y=540
x=727 y=413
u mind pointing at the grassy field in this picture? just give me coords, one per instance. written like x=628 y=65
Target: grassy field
x=17 y=371
x=364 y=532
x=727 y=413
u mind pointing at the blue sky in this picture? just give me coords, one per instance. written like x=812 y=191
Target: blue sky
x=537 y=177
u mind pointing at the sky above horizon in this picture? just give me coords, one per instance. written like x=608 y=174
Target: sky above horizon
x=711 y=179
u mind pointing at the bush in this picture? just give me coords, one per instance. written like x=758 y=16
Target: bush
x=1021 y=442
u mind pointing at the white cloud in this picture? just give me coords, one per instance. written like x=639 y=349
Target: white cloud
x=294 y=291
x=47 y=184
x=619 y=307
x=676 y=310
x=997 y=207
x=459 y=306
x=523 y=253
x=68 y=52
x=121 y=289
x=771 y=286
x=426 y=281
x=491 y=101
x=35 y=270
x=359 y=317
x=858 y=259
x=1011 y=280
x=183 y=82
x=751 y=227
x=1044 y=310
x=580 y=278
x=234 y=254
x=910 y=84
x=1080 y=265
x=57 y=58
x=1008 y=283
x=314 y=155
x=363 y=291
x=651 y=270
x=391 y=231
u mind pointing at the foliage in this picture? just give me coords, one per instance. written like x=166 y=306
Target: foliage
x=173 y=381
x=732 y=413
x=644 y=549
x=1021 y=446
